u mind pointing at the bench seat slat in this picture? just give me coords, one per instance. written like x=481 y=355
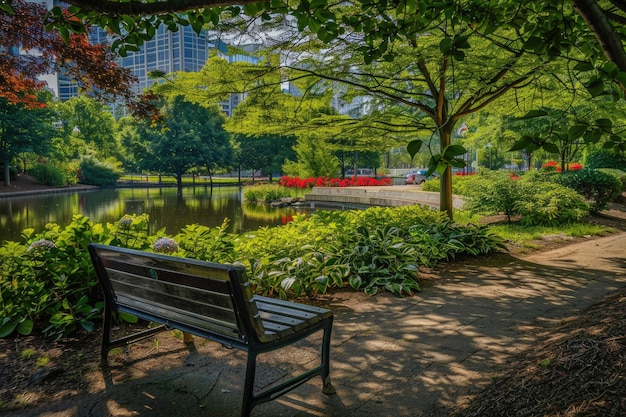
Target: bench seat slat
x=281 y=317
x=275 y=304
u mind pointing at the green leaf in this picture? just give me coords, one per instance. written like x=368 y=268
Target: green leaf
x=621 y=78
x=25 y=327
x=533 y=114
x=605 y=124
x=414 y=147
x=457 y=163
x=524 y=143
x=583 y=66
x=452 y=151
x=128 y=318
x=7 y=328
x=7 y=8
x=576 y=131
x=610 y=68
x=593 y=136
x=445 y=45
x=533 y=42
x=596 y=87
x=550 y=148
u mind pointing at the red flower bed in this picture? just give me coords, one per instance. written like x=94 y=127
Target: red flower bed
x=574 y=166
x=296 y=182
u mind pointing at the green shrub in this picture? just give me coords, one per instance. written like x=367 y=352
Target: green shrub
x=94 y=172
x=432 y=185
x=594 y=185
x=493 y=192
x=459 y=184
x=48 y=174
x=48 y=283
x=617 y=173
x=266 y=193
x=551 y=204
x=604 y=158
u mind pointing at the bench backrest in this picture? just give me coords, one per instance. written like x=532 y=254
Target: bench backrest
x=201 y=295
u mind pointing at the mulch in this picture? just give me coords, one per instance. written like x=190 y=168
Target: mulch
x=578 y=370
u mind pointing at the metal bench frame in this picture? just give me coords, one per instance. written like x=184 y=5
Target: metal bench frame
x=212 y=301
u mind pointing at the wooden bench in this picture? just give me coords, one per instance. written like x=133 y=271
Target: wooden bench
x=212 y=301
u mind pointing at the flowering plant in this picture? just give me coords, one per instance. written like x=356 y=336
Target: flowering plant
x=296 y=182
x=554 y=166
x=41 y=245
x=165 y=245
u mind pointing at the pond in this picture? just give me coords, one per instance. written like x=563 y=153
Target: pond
x=165 y=207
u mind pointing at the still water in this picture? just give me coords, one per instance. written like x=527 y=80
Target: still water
x=166 y=209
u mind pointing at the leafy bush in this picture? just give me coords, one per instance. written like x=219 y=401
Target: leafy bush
x=267 y=193
x=459 y=184
x=48 y=174
x=617 y=173
x=551 y=204
x=493 y=192
x=366 y=249
x=594 y=185
x=94 y=172
x=48 y=283
x=605 y=158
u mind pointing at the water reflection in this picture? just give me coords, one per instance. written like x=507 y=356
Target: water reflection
x=165 y=207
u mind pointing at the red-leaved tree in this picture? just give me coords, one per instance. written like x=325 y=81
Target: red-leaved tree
x=28 y=51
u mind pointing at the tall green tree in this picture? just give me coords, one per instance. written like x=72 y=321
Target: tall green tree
x=430 y=86
x=265 y=152
x=22 y=130
x=192 y=136
x=88 y=121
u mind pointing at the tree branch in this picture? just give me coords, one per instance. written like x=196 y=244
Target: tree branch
x=140 y=8
x=599 y=24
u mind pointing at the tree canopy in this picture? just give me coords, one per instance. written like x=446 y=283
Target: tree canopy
x=192 y=136
x=550 y=26
x=31 y=51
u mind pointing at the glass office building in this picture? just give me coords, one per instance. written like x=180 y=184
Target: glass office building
x=183 y=50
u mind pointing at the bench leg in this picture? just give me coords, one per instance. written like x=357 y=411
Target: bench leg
x=106 y=337
x=328 y=387
x=248 y=388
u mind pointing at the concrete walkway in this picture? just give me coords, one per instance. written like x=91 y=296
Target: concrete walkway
x=412 y=356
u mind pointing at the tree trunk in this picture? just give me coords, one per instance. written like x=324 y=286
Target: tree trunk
x=7 y=172
x=179 y=182
x=445 y=182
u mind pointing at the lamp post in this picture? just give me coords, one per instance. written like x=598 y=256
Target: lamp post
x=489 y=145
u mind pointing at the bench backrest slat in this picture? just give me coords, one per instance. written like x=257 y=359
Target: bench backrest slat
x=195 y=293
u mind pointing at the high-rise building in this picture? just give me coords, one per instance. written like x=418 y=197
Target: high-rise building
x=183 y=50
